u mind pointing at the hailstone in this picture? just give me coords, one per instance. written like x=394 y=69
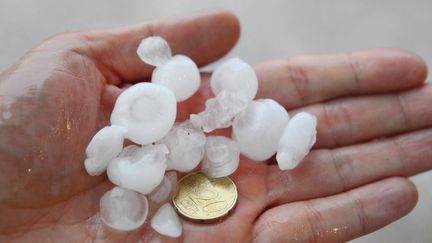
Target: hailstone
x=128 y=150
x=219 y=111
x=259 y=128
x=166 y=221
x=234 y=76
x=147 y=111
x=106 y=144
x=123 y=209
x=154 y=50
x=221 y=158
x=167 y=187
x=180 y=74
x=297 y=139
x=186 y=147
x=141 y=172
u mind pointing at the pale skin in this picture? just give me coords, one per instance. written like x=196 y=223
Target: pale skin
x=374 y=131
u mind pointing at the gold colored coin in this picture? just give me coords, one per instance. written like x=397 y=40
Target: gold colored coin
x=200 y=197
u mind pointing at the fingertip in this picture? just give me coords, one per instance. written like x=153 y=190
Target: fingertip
x=234 y=23
x=395 y=69
x=419 y=66
x=415 y=66
x=386 y=201
x=401 y=199
x=407 y=192
x=222 y=31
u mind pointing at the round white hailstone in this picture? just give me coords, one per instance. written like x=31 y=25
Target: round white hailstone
x=154 y=50
x=222 y=156
x=259 y=128
x=123 y=209
x=106 y=144
x=297 y=139
x=186 y=147
x=128 y=150
x=180 y=74
x=219 y=111
x=142 y=172
x=147 y=110
x=235 y=76
x=165 y=189
x=166 y=222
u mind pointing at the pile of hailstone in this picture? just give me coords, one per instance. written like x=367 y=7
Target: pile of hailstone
x=145 y=114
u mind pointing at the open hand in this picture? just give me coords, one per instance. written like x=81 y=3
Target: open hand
x=374 y=130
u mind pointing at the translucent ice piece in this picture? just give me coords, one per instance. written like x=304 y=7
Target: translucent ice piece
x=235 y=75
x=128 y=150
x=180 y=74
x=222 y=156
x=259 y=128
x=147 y=110
x=123 y=209
x=142 y=172
x=186 y=147
x=297 y=139
x=165 y=189
x=104 y=146
x=166 y=222
x=154 y=50
x=220 y=111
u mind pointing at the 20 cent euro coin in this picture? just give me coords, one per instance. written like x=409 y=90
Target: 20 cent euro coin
x=202 y=198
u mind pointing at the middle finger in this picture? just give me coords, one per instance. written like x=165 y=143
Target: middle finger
x=352 y=120
x=327 y=172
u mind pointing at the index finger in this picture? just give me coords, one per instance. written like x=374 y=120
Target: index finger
x=305 y=80
x=204 y=37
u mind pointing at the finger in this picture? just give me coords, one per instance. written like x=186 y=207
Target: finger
x=309 y=79
x=329 y=172
x=352 y=120
x=204 y=37
x=338 y=218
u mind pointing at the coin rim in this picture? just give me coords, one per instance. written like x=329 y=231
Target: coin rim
x=206 y=218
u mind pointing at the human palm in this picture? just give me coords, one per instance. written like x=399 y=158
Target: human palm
x=373 y=130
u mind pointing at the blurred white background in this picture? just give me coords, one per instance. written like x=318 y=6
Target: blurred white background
x=271 y=28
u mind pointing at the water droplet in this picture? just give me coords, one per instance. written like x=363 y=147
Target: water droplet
x=6 y=115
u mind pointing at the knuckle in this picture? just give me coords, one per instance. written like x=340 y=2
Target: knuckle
x=69 y=41
x=360 y=212
x=343 y=169
x=315 y=222
x=298 y=76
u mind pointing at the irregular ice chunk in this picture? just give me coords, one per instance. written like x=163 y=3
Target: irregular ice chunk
x=235 y=75
x=165 y=189
x=259 y=128
x=220 y=111
x=142 y=172
x=166 y=222
x=104 y=146
x=123 y=209
x=154 y=50
x=180 y=74
x=128 y=150
x=297 y=139
x=222 y=156
x=186 y=147
x=147 y=110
